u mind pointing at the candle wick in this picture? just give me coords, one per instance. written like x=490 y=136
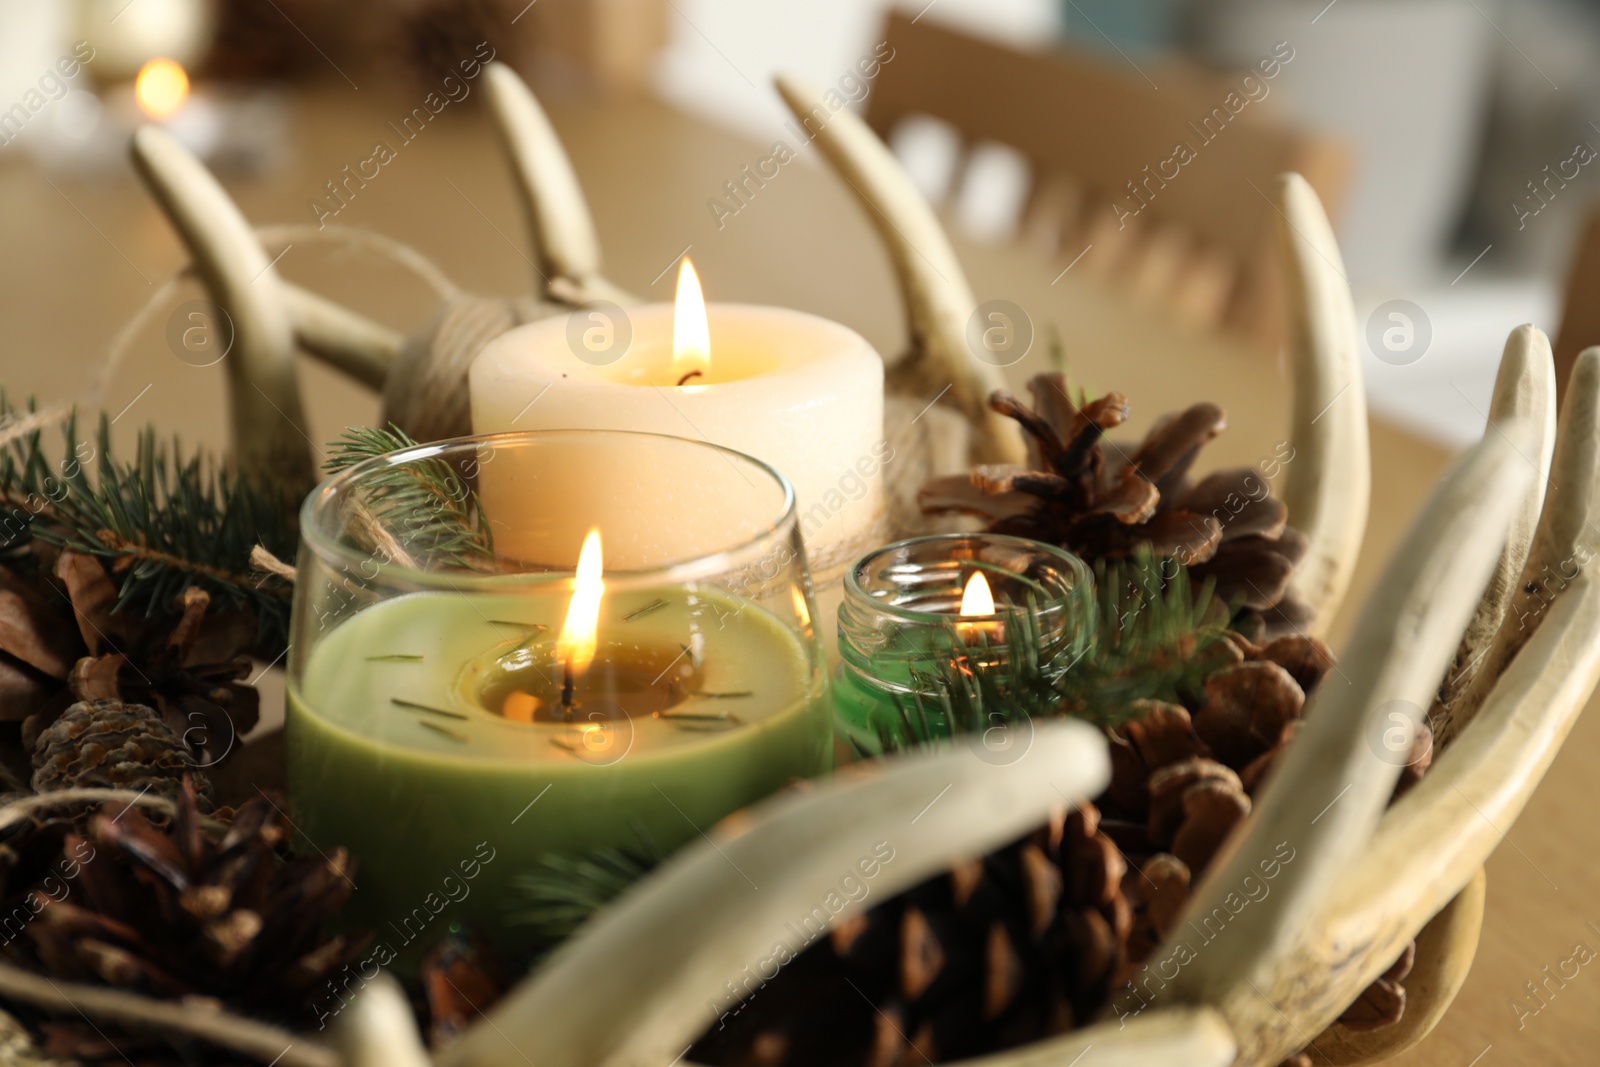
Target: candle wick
x=691 y=374
x=566 y=687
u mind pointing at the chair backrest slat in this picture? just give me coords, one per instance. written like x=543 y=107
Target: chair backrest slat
x=1114 y=135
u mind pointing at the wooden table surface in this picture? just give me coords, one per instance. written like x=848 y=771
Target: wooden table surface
x=78 y=257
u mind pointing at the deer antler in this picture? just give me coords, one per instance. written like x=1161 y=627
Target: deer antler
x=423 y=377
x=379 y=1029
x=1563 y=543
x=1330 y=478
x=1524 y=390
x=1325 y=797
x=719 y=907
x=932 y=284
x=262 y=393
x=267 y=314
x=565 y=248
x=1436 y=837
x=1433 y=841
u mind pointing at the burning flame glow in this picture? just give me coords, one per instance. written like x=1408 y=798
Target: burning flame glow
x=691 y=334
x=976 y=599
x=575 y=646
x=161 y=88
x=801 y=612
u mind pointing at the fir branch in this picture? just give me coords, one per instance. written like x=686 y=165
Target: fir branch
x=158 y=523
x=564 y=889
x=424 y=511
x=128 y=553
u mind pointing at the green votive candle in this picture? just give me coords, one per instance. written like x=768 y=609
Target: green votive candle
x=434 y=734
x=917 y=608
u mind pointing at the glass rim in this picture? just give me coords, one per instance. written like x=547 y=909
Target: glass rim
x=852 y=584
x=315 y=537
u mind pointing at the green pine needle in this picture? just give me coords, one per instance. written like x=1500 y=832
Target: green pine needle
x=564 y=889
x=159 y=523
x=429 y=508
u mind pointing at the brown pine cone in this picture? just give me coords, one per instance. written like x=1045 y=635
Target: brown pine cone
x=106 y=744
x=1034 y=938
x=31 y=851
x=1384 y=1001
x=1157 y=736
x=1157 y=889
x=996 y=953
x=1246 y=709
x=1101 y=500
x=1180 y=785
x=1305 y=658
x=62 y=641
x=1194 y=805
x=195 y=911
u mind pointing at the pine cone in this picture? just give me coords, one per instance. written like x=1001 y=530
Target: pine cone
x=1181 y=779
x=1101 y=500
x=996 y=953
x=61 y=641
x=196 y=912
x=1179 y=786
x=30 y=851
x=107 y=744
x=1033 y=938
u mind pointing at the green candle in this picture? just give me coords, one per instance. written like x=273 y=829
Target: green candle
x=471 y=690
x=428 y=734
x=918 y=608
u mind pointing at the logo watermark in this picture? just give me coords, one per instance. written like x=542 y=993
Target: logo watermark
x=1399 y=332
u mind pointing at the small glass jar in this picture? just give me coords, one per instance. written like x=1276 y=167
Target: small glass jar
x=901 y=625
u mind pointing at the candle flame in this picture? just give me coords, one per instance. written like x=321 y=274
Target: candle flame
x=976 y=599
x=800 y=610
x=161 y=88
x=575 y=646
x=691 y=333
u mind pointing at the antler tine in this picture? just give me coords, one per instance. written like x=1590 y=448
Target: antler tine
x=1564 y=540
x=1525 y=389
x=1330 y=479
x=348 y=342
x=725 y=907
x=379 y=1029
x=566 y=250
x=1192 y=1036
x=1326 y=796
x=268 y=315
x=269 y=427
x=932 y=283
x=1433 y=840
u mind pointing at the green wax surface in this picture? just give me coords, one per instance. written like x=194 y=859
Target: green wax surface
x=420 y=799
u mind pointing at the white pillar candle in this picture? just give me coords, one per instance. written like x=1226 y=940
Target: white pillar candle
x=800 y=393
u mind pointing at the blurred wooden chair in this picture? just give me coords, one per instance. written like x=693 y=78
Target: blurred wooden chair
x=1580 y=309
x=614 y=43
x=1096 y=140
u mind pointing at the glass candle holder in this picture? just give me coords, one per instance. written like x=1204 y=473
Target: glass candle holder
x=512 y=646
x=902 y=626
